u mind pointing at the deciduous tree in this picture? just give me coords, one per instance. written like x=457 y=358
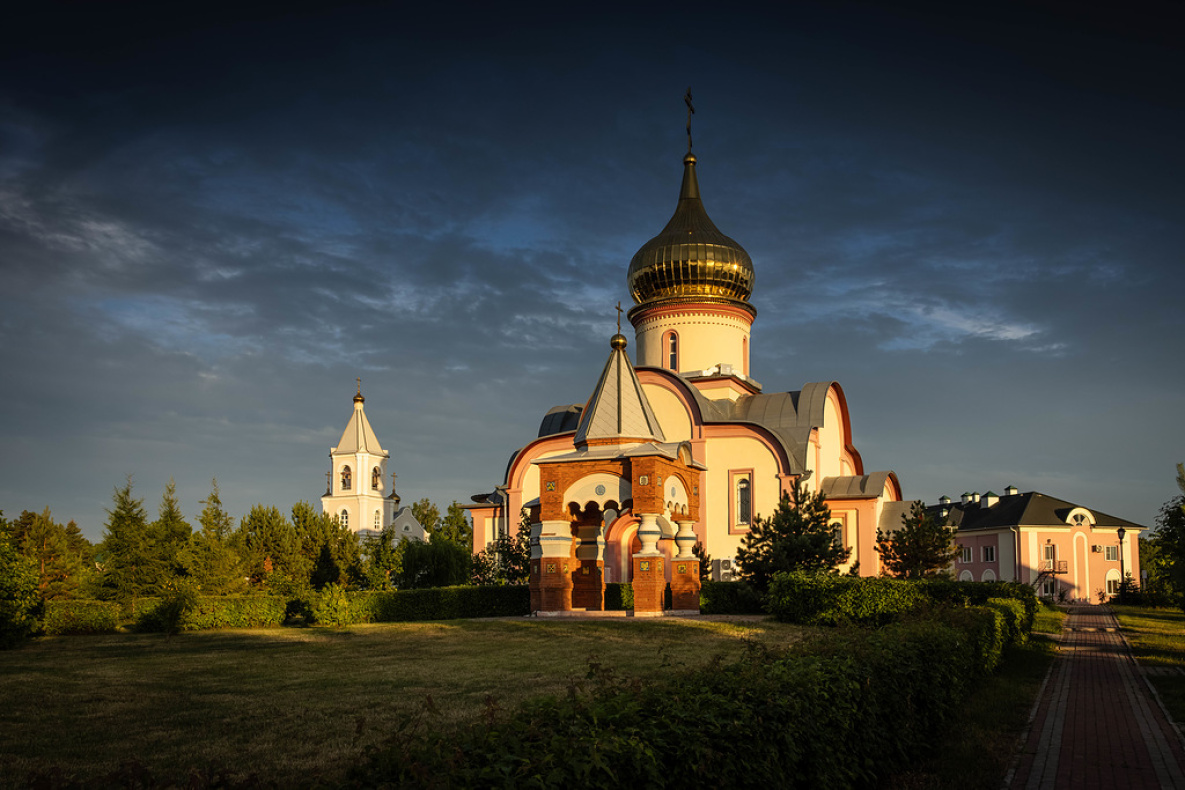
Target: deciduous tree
x=922 y=548
x=427 y=514
x=19 y=600
x=798 y=536
x=455 y=527
x=1169 y=544
x=508 y=559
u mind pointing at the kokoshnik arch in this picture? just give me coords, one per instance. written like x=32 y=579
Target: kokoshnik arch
x=685 y=447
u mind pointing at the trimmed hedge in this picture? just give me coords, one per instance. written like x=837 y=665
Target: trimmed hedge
x=204 y=612
x=80 y=616
x=334 y=606
x=730 y=598
x=842 y=710
x=827 y=599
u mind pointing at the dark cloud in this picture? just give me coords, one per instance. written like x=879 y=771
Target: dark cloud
x=212 y=221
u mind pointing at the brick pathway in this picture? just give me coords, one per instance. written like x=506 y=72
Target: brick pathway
x=1097 y=725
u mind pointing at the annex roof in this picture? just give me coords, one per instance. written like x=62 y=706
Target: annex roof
x=867 y=486
x=1031 y=509
x=618 y=408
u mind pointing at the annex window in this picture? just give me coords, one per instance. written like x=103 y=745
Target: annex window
x=968 y=554
x=1111 y=553
x=345 y=478
x=744 y=501
x=344 y=519
x=989 y=553
x=376 y=479
x=1050 y=557
x=1113 y=585
x=1049 y=588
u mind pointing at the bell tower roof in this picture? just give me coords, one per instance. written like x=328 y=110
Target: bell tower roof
x=358 y=436
x=691 y=259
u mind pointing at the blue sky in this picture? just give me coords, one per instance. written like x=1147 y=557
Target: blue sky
x=213 y=219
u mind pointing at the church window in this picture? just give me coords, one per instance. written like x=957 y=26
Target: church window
x=744 y=501
x=745 y=356
x=672 y=351
x=837 y=533
x=345 y=478
x=376 y=479
x=344 y=518
x=378 y=520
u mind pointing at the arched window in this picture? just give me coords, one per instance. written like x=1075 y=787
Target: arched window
x=745 y=356
x=378 y=521
x=345 y=478
x=744 y=502
x=376 y=479
x=672 y=351
x=344 y=519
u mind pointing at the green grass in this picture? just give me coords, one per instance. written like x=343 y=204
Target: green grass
x=1049 y=619
x=1157 y=637
x=294 y=704
x=978 y=750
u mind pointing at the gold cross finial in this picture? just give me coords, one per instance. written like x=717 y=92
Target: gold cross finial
x=619 y=318
x=690 y=112
x=359 y=385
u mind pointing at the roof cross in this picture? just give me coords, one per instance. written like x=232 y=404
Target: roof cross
x=690 y=112
x=619 y=318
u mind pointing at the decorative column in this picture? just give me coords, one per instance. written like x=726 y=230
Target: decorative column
x=685 y=585
x=588 y=582
x=650 y=581
x=553 y=568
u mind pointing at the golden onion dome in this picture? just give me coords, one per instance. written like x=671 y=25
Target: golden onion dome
x=691 y=258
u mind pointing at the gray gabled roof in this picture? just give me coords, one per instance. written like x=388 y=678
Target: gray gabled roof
x=893 y=513
x=1031 y=509
x=358 y=436
x=618 y=408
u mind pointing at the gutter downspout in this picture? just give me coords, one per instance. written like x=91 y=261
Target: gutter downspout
x=1016 y=553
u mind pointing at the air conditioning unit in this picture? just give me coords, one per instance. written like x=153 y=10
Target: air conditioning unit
x=1096 y=549
x=722 y=571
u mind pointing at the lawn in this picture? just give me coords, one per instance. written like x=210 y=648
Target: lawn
x=292 y=704
x=1157 y=637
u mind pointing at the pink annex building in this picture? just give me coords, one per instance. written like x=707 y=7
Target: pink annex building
x=1067 y=551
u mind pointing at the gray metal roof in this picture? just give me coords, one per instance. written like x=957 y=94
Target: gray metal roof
x=893 y=513
x=1029 y=509
x=854 y=486
x=618 y=408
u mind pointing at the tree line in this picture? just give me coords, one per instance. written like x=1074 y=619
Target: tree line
x=266 y=551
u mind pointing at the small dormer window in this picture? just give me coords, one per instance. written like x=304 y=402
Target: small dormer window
x=1079 y=519
x=376 y=479
x=345 y=478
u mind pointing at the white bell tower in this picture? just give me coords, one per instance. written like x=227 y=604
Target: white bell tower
x=357 y=492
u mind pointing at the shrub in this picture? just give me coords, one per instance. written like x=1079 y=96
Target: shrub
x=619 y=596
x=977 y=593
x=827 y=599
x=435 y=563
x=80 y=616
x=1015 y=619
x=199 y=613
x=335 y=606
x=730 y=598
x=840 y=711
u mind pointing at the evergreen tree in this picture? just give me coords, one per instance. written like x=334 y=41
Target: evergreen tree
x=455 y=527
x=212 y=559
x=171 y=532
x=921 y=549
x=61 y=554
x=439 y=563
x=797 y=537
x=131 y=566
x=320 y=532
x=271 y=546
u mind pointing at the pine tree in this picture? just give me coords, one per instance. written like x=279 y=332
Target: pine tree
x=796 y=537
x=271 y=545
x=922 y=548
x=61 y=556
x=129 y=557
x=211 y=557
x=507 y=560
x=427 y=514
x=171 y=532
x=455 y=527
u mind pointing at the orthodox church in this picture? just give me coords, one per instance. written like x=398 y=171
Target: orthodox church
x=684 y=447
x=354 y=489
